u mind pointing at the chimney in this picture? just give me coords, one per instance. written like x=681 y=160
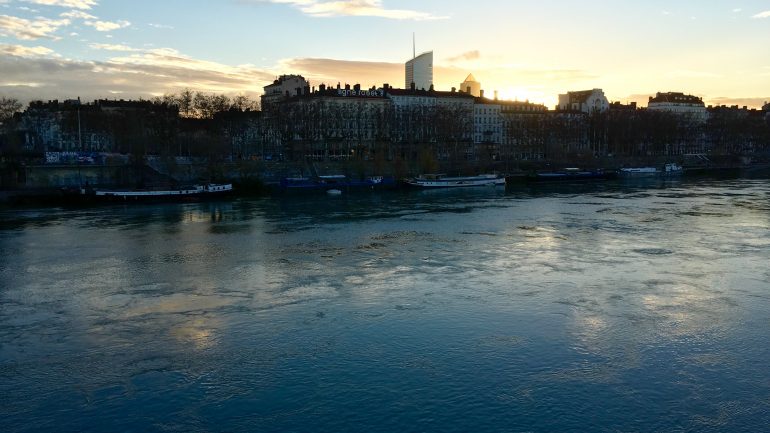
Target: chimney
x=495 y=95
x=412 y=86
x=481 y=93
x=347 y=86
x=338 y=85
x=357 y=87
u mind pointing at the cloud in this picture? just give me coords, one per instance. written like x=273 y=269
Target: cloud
x=359 y=8
x=22 y=51
x=113 y=47
x=332 y=71
x=765 y=14
x=468 y=55
x=40 y=28
x=741 y=102
x=641 y=99
x=161 y=26
x=141 y=74
x=74 y=14
x=73 y=4
x=107 y=26
x=684 y=73
x=545 y=74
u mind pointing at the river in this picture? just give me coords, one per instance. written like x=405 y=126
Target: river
x=598 y=307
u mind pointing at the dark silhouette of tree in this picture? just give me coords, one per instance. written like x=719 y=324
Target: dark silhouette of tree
x=8 y=107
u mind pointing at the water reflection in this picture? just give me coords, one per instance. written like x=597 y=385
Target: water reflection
x=295 y=313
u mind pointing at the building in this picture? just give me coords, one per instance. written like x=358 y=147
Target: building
x=509 y=130
x=101 y=126
x=471 y=86
x=284 y=87
x=675 y=102
x=523 y=130
x=330 y=123
x=487 y=122
x=419 y=72
x=620 y=107
x=585 y=101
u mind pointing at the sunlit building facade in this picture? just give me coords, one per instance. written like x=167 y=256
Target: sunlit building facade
x=585 y=101
x=419 y=72
x=284 y=87
x=471 y=86
x=679 y=103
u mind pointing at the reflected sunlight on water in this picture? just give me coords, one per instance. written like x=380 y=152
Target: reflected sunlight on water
x=606 y=307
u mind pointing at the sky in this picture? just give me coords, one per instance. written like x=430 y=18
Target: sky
x=526 y=50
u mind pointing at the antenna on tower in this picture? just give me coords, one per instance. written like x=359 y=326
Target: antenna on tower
x=414 y=47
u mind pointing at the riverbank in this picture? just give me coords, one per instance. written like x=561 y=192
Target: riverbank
x=254 y=186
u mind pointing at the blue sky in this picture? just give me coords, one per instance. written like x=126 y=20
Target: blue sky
x=717 y=49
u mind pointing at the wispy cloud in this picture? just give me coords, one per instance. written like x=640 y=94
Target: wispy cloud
x=161 y=26
x=765 y=14
x=72 y=4
x=359 y=8
x=39 y=28
x=331 y=71
x=22 y=51
x=75 y=14
x=113 y=47
x=737 y=10
x=107 y=26
x=684 y=73
x=466 y=56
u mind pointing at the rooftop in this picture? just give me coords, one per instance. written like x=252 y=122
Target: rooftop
x=676 y=97
x=581 y=96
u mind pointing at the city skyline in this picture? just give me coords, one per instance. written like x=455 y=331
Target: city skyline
x=107 y=49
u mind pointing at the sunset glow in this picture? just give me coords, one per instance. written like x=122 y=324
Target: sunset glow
x=90 y=48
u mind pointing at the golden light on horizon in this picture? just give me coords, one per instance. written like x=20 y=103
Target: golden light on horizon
x=522 y=94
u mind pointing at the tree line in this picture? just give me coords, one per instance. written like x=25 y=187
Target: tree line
x=200 y=105
x=191 y=104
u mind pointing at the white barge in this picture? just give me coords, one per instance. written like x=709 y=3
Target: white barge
x=443 y=181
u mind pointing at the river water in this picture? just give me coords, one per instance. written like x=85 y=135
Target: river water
x=599 y=307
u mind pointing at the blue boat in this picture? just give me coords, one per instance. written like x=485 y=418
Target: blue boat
x=335 y=182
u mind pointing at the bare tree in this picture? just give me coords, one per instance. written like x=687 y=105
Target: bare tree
x=244 y=103
x=8 y=107
x=185 y=103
